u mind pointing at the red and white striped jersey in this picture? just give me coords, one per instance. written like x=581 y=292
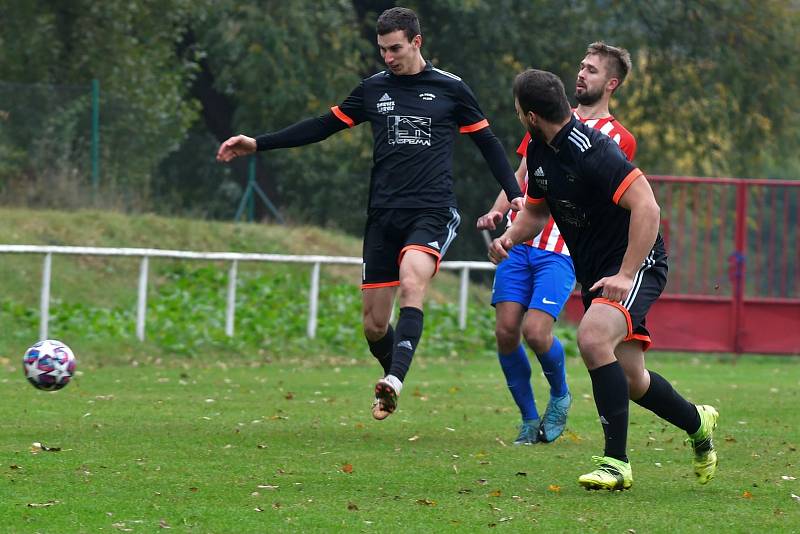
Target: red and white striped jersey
x=550 y=237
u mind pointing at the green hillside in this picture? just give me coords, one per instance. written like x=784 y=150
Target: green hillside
x=94 y=298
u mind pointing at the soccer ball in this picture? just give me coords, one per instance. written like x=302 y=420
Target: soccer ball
x=49 y=365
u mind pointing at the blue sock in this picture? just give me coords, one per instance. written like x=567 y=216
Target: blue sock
x=517 y=369
x=553 y=367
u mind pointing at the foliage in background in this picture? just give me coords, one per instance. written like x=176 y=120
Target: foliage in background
x=710 y=93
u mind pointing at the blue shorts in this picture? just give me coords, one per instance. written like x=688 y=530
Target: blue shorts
x=537 y=279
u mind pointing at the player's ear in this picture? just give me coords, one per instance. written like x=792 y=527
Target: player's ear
x=417 y=41
x=612 y=84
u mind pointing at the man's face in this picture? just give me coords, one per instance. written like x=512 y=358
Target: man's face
x=593 y=78
x=398 y=54
x=530 y=122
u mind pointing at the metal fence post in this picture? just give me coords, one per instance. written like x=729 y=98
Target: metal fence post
x=313 y=302
x=95 y=135
x=44 y=302
x=231 y=308
x=141 y=304
x=462 y=299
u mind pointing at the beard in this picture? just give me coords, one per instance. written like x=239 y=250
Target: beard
x=587 y=98
x=536 y=133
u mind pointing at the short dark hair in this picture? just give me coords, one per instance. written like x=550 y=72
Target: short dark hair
x=543 y=93
x=618 y=58
x=399 y=18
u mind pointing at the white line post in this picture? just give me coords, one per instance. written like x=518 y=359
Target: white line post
x=141 y=303
x=230 y=310
x=462 y=299
x=44 y=301
x=313 y=302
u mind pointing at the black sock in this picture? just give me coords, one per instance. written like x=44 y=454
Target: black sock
x=382 y=349
x=665 y=402
x=407 y=334
x=610 y=389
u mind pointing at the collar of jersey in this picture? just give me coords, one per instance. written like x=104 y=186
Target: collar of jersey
x=428 y=68
x=562 y=134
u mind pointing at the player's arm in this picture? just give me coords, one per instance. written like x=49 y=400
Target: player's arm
x=492 y=218
x=301 y=133
x=495 y=156
x=305 y=132
x=529 y=222
x=638 y=198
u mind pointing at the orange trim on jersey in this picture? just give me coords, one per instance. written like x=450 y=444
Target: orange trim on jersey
x=428 y=250
x=530 y=200
x=474 y=127
x=620 y=307
x=626 y=183
x=646 y=341
x=380 y=284
x=343 y=117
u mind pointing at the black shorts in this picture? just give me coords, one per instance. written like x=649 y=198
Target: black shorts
x=648 y=283
x=390 y=232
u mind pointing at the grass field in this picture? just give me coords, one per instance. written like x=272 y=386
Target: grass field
x=248 y=447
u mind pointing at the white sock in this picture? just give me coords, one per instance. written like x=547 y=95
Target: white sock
x=395 y=383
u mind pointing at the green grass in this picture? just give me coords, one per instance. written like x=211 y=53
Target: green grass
x=254 y=447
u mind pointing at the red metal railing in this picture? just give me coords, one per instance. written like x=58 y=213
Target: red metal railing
x=734 y=280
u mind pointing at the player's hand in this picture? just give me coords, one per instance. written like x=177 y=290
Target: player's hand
x=489 y=220
x=518 y=204
x=238 y=145
x=615 y=288
x=498 y=251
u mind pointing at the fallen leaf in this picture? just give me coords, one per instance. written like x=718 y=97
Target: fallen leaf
x=495 y=493
x=347 y=468
x=352 y=507
x=730 y=439
x=162 y=523
x=521 y=474
x=796 y=497
x=482 y=481
x=554 y=488
x=504 y=519
x=501 y=442
x=43 y=504
x=455 y=468
x=15 y=466
x=413 y=438
x=783 y=477
x=289 y=395
x=36 y=447
x=267 y=486
x=276 y=505
x=465 y=491
x=193 y=489
x=747 y=495
x=426 y=502
x=258 y=509
x=261 y=446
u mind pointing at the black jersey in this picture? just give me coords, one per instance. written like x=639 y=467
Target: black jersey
x=414 y=120
x=582 y=174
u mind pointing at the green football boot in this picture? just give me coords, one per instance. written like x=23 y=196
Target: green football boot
x=611 y=474
x=705 y=456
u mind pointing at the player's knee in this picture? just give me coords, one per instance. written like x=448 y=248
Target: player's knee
x=539 y=337
x=374 y=328
x=508 y=337
x=594 y=344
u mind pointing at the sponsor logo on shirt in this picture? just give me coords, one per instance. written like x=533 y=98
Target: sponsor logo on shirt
x=385 y=104
x=427 y=96
x=408 y=130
